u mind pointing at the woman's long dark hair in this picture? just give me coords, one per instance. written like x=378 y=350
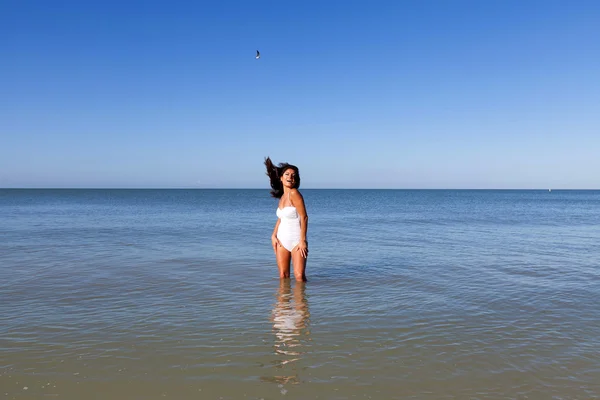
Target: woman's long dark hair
x=275 y=172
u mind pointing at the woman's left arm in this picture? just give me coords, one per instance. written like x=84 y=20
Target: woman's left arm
x=298 y=202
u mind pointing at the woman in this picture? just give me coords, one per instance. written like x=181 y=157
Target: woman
x=289 y=236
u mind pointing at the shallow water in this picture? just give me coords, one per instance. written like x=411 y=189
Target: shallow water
x=142 y=294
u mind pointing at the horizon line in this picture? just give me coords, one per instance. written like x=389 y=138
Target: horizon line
x=268 y=189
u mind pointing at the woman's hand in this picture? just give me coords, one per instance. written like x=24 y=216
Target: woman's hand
x=303 y=248
x=275 y=243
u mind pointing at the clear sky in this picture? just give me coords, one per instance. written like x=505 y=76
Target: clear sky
x=358 y=94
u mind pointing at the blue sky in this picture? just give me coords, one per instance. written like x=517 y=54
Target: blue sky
x=358 y=94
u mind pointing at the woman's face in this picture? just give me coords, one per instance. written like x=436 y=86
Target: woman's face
x=288 y=179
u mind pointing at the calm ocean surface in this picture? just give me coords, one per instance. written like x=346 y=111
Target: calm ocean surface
x=411 y=294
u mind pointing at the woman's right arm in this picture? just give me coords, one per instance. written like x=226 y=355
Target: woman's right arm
x=274 y=240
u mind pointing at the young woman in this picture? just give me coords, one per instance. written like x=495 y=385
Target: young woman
x=289 y=236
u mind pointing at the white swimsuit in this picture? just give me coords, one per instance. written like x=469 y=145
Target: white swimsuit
x=288 y=232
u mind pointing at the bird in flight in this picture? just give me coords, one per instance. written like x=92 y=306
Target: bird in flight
x=257 y=55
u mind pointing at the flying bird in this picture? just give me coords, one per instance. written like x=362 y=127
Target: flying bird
x=257 y=55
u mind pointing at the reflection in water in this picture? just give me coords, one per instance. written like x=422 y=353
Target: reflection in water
x=290 y=318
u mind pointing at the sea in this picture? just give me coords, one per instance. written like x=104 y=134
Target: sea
x=411 y=294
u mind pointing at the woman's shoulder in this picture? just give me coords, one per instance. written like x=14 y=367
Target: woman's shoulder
x=295 y=194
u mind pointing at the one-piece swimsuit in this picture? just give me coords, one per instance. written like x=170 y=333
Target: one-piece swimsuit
x=288 y=232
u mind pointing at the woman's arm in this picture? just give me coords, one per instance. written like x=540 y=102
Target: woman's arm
x=274 y=240
x=298 y=202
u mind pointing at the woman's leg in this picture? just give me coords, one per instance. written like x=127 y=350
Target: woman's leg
x=283 y=262
x=299 y=266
